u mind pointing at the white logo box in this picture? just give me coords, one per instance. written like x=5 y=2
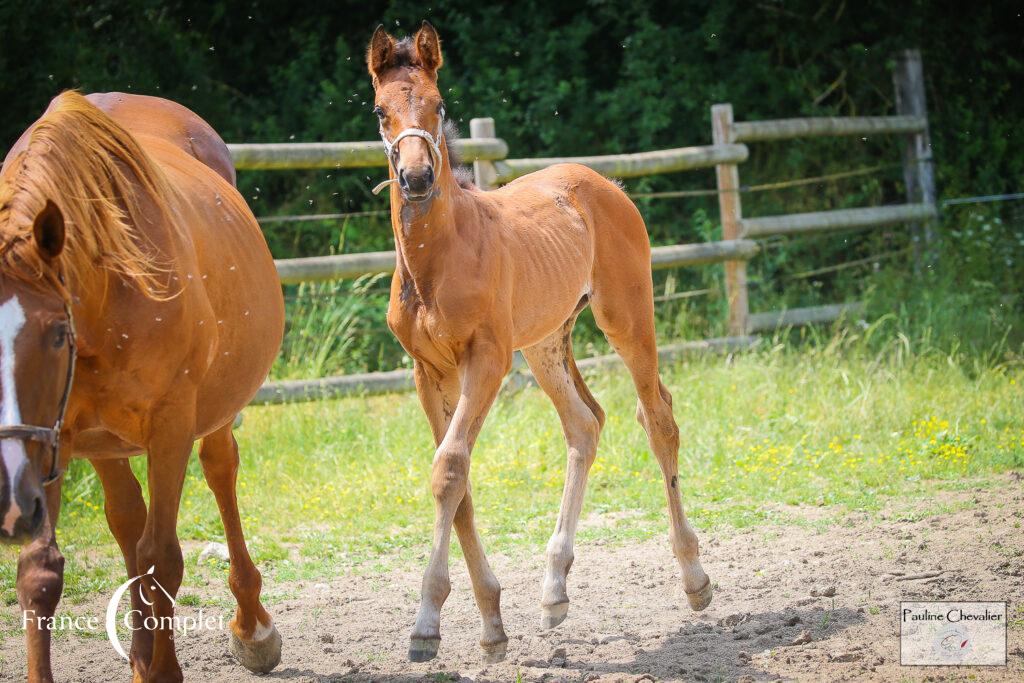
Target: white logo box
x=952 y=633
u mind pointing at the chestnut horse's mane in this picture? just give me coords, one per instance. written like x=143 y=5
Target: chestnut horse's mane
x=94 y=171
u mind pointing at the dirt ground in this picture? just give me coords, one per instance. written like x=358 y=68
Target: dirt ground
x=838 y=590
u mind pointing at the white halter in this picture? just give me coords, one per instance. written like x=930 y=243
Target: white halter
x=391 y=147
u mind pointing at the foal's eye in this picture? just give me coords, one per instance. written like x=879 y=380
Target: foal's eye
x=379 y=112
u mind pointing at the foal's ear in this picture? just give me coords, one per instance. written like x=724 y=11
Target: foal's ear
x=48 y=231
x=428 y=48
x=380 y=53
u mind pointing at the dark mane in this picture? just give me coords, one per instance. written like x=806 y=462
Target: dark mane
x=463 y=174
x=404 y=54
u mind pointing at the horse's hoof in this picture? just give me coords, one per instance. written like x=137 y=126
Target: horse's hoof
x=423 y=649
x=258 y=656
x=699 y=600
x=553 y=615
x=495 y=652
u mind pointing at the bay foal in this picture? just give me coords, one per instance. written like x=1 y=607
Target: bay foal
x=481 y=274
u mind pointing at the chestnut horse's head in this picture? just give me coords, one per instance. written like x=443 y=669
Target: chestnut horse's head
x=409 y=106
x=36 y=364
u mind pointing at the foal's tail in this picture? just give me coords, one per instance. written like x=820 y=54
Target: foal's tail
x=623 y=293
x=623 y=299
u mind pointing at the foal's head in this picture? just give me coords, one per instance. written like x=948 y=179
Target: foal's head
x=36 y=355
x=409 y=106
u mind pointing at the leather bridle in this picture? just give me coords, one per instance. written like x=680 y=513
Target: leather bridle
x=50 y=436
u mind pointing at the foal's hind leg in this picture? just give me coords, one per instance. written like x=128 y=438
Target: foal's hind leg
x=255 y=641
x=626 y=316
x=439 y=394
x=553 y=365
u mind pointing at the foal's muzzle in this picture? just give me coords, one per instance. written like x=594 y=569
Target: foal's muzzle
x=416 y=183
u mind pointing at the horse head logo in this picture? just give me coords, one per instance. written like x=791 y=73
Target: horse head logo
x=115 y=601
x=952 y=644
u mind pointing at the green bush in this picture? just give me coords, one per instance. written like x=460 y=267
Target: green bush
x=582 y=78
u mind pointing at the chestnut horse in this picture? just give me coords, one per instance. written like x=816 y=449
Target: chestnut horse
x=482 y=274
x=139 y=311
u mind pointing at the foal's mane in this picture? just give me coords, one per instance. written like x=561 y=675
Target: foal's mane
x=463 y=174
x=95 y=172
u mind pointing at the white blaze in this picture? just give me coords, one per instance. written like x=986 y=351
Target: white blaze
x=12 y=319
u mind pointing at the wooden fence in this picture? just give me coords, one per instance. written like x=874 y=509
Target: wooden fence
x=919 y=211
x=492 y=168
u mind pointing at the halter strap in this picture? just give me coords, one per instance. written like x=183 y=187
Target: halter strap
x=391 y=147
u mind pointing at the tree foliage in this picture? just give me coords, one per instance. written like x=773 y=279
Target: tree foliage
x=572 y=77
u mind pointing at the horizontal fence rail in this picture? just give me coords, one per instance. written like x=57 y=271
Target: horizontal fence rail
x=784 y=129
x=810 y=315
x=632 y=165
x=677 y=255
x=489 y=153
x=339 y=267
x=395 y=381
x=343 y=266
x=842 y=219
x=306 y=155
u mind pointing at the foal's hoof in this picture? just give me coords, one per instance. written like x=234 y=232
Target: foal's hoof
x=495 y=652
x=699 y=600
x=258 y=656
x=423 y=649
x=553 y=615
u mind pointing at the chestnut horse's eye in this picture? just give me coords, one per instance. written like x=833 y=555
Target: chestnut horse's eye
x=60 y=337
x=379 y=112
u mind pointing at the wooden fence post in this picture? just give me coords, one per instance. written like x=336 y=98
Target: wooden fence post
x=484 y=174
x=918 y=171
x=731 y=213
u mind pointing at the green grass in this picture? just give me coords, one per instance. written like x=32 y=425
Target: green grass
x=330 y=486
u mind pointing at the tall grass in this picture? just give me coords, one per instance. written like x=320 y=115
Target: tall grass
x=334 y=327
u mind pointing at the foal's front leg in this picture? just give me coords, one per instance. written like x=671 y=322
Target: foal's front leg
x=439 y=394
x=480 y=374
